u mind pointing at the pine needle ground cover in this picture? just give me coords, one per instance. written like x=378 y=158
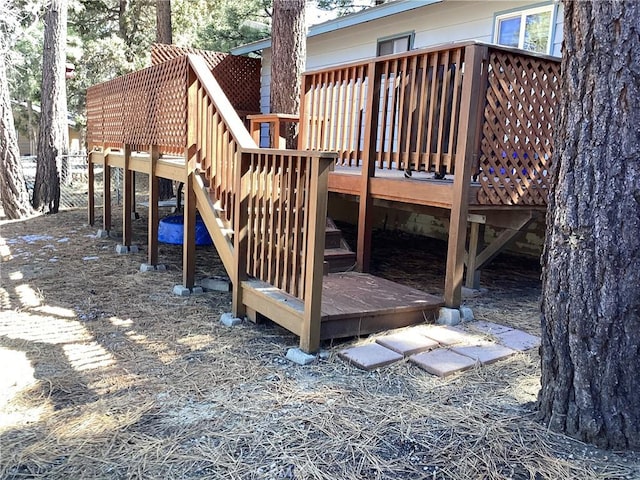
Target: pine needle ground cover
x=106 y=374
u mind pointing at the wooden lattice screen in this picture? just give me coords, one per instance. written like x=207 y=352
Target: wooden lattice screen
x=147 y=107
x=239 y=77
x=516 y=146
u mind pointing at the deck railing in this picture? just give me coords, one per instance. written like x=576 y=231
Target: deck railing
x=273 y=200
x=404 y=111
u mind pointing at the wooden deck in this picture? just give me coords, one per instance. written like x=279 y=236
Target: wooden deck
x=353 y=304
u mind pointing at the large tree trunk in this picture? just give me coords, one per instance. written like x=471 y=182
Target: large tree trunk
x=164 y=35
x=288 y=48
x=53 y=137
x=591 y=279
x=163 y=22
x=13 y=190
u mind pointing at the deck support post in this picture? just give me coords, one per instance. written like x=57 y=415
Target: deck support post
x=191 y=157
x=91 y=205
x=127 y=198
x=106 y=194
x=152 y=255
x=472 y=101
x=318 y=196
x=241 y=235
x=476 y=238
x=365 y=209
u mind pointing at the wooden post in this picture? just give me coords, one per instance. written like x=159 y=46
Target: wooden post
x=241 y=231
x=152 y=256
x=473 y=84
x=191 y=158
x=473 y=276
x=91 y=212
x=303 y=125
x=127 y=198
x=365 y=208
x=106 y=194
x=310 y=333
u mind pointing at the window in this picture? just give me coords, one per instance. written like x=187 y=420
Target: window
x=396 y=44
x=527 y=29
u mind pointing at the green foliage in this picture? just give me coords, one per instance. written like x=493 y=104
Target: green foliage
x=234 y=23
x=345 y=7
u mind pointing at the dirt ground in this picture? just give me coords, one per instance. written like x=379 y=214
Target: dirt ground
x=105 y=374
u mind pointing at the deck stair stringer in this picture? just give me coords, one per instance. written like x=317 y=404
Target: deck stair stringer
x=220 y=235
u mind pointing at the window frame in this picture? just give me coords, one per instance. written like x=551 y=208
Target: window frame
x=410 y=36
x=522 y=14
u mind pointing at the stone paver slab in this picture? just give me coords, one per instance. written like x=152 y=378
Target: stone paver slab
x=370 y=356
x=407 y=343
x=518 y=340
x=485 y=354
x=449 y=336
x=442 y=362
x=488 y=327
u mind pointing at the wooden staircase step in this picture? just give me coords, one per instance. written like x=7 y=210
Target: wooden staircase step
x=333 y=238
x=339 y=259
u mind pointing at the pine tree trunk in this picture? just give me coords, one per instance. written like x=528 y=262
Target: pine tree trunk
x=163 y=22
x=591 y=278
x=164 y=35
x=288 y=48
x=53 y=137
x=13 y=190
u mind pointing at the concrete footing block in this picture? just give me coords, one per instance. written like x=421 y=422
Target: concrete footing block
x=125 y=249
x=228 y=320
x=102 y=233
x=217 y=284
x=183 y=291
x=296 y=355
x=448 y=316
x=466 y=314
x=147 y=267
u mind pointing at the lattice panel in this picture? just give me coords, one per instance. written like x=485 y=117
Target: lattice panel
x=239 y=77
x=516 y=147
x=156 y=105
x=147 y=107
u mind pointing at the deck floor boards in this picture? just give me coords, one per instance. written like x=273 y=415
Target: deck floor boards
x=355 y=304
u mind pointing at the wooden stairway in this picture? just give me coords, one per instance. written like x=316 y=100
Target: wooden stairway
x=338 y=256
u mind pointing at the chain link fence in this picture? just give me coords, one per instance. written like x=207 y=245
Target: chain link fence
x=74 y=182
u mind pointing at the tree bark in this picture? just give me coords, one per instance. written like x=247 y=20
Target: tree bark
x=288 y=48
x=591 y=277
x=13 y=190
x=53 y=137
x=164 y=35
x=163 y=22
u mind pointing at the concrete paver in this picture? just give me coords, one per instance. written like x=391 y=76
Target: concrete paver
x=370 y=356
x=407 y=343
x=442 y=362
x=485 y=354
x=488 y=327
x=518 y=340
x=449 y=336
